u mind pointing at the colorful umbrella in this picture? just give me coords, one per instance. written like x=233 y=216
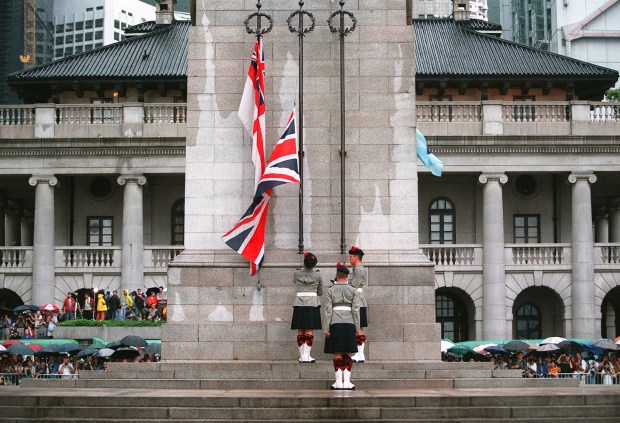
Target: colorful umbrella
x=445 y=345
x=36 y=347
x=20 y=349
x=10 y=342
x=606 y=344
x=516 y=346
x=134 y=341
x=482 y=348
x=571 y=347
x=461 y=350
x=552 y=340
x=549 y=348
x=23 y=308
x=125 y=352
x=49 y=307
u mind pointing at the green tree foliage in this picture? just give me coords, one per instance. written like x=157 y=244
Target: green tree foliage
x=613 y=94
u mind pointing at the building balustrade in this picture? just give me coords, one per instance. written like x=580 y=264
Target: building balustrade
x=537 y=254
x=475 y=118
x=110 y=120
x=433 y=117
x=85 y=259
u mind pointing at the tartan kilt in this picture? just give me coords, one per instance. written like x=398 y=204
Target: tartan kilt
x=306 y=318
x=342 y=338
x=363 y=317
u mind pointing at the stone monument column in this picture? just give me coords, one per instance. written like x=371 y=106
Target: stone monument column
x=43 y=287
x=216 y=310
x=132 y=270
x=582 y=287
x=494 y=312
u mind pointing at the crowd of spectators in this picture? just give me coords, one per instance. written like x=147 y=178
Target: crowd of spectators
x=13 y=368
x=129 y=306
x=30 y=325
x=135 y=305
x=603 y=369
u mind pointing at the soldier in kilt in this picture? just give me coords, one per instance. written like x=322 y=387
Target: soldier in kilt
x=342 y=317
x=307 y=306
x=359 y=280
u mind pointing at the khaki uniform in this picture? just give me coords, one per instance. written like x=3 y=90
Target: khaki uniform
x=308 y=281
x=359 y=280
x=342 y=295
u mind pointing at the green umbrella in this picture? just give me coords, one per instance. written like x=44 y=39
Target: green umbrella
x=461 y=350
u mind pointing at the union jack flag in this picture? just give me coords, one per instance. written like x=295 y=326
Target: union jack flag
x=283 y=165
x=247 y=237
x=252 y=108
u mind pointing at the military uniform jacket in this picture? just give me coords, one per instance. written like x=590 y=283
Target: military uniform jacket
x=340 y=294
x=308 y=280
x=359 y=280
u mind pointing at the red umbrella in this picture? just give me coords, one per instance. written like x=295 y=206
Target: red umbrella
x=10 y=342
x=49 y=307
x=35 y=347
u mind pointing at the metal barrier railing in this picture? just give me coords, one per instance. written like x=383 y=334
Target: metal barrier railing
x=586 y=378
x=9 y=379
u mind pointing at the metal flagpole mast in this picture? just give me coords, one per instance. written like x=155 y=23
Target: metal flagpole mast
x=342 y=32
x=301 y=32
x=258 y=15
x=259 y=31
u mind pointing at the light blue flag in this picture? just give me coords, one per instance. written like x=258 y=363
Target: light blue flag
x=429 y=159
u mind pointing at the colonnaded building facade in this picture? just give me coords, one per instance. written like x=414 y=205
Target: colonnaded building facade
x=525 y=215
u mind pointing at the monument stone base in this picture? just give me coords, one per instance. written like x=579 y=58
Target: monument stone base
x=217 y=311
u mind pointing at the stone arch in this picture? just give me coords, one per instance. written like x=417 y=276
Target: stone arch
x=610 y=314
x=550 y=306
x=558 y=283
x=461 y=300
x=21 y=285
x=471 y=285
x=604 y=283
x=9 y=299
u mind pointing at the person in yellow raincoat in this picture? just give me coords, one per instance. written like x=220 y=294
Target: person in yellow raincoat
x=102 y=307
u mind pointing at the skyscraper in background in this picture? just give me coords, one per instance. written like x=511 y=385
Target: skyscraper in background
x=583 y=29
x=27 y=39
x=443 y=8
x=88 y=24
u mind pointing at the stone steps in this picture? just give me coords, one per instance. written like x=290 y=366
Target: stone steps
x=89 y=413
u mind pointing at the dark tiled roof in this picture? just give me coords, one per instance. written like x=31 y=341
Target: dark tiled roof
x=449 y=50
x=141 y=28
x=480 y=25
x=161 y=53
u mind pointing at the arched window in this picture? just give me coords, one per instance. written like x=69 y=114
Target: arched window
x=528 y=322
x=451 y=313
x=178 y=222
x=441 y=217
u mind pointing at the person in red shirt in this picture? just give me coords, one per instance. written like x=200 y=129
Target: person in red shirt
x=152 y=299
x=69 y=306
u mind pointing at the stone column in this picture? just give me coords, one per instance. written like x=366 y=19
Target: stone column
x=43 y=291
x=582 y=287
x=27 y=227
x=494 y=321
x=614 y=224
x=3 y=217
x=132 y=270
x=602 y=229
x=12 y=228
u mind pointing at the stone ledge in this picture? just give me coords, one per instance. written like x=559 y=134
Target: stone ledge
x=108 y=333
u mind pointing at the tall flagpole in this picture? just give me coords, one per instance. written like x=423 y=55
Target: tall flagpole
x=342 y=32
x=259 y=31
x=301 y=32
